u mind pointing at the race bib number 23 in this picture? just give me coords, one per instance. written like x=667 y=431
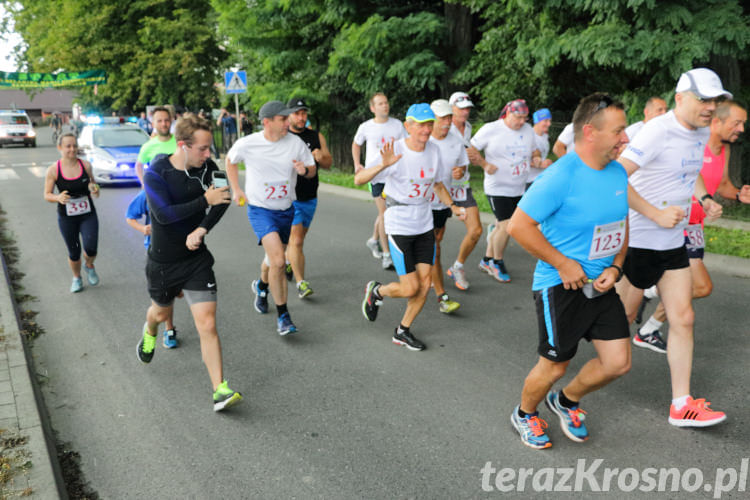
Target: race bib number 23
x=277 y=190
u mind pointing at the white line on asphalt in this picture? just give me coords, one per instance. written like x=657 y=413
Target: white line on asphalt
x=38 y=171
x=8 y=174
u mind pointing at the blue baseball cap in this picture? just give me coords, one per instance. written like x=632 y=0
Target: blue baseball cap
x=420 y=113
x=541 y=114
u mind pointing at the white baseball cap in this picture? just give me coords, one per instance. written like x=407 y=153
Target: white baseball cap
x=702 y=82
x=441 y=108
x=461 y=100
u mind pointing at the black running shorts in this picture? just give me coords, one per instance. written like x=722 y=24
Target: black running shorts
x=503 y=206
x=165 y=281
x=644 y=267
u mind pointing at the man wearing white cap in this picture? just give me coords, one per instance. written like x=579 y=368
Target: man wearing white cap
x=663 y=162
x=461 y=106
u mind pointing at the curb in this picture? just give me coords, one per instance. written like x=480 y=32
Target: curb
x=23 y=408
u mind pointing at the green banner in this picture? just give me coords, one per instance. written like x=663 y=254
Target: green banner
x=52 y=80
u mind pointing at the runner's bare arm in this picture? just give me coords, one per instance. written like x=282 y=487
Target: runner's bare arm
x=238 y=195
x=667 y=217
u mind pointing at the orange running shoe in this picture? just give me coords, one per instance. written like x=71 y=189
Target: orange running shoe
x=695 y=413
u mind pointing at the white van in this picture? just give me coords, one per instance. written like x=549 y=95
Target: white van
x=16 y=128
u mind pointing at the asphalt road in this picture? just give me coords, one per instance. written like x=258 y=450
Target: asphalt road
x=337 y=411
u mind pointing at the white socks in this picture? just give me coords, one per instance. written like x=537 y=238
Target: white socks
x=651 y=293
x=457 y=265
x=678 y=403
x=650 y=326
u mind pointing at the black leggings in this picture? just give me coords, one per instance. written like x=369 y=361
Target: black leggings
x=87 y=226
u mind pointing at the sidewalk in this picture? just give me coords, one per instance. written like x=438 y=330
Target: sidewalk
x=28 y=461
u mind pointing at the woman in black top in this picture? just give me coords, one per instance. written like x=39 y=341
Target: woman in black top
x=75 y=209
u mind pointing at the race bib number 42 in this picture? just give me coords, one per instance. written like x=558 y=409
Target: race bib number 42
x=78 y=206
x=278 y=190
x=607 y=239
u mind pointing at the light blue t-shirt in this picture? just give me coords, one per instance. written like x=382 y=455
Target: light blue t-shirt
x=582 y=212
x=137 y=209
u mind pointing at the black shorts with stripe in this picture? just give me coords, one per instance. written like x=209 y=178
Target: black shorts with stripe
x=567 y=316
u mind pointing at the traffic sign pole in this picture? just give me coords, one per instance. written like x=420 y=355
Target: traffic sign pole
x=237 y=120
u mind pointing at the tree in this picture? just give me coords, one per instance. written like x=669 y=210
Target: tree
x=154 y=51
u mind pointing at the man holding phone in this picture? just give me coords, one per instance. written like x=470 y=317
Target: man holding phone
x=179 y=193
x=574 y=219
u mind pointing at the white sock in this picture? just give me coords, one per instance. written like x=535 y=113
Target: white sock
x=386 y=255
x=651 y=293
x=680 y=402
x=457 y=265
x=650 y=326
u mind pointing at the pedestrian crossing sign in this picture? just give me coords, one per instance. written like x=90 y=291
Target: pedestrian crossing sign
x=235 y=82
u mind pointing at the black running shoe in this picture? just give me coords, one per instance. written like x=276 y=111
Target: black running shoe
x=371 y=305
x=408 y=340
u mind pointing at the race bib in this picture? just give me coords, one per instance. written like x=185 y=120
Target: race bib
x=78 y=206
x=458 y=190
x=277 y=190
x=607 y=239
x=519 y=169
x=684 y=203
x=421 y=189
x=695 y=240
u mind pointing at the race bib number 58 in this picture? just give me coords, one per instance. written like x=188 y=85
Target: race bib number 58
x=78 y=206
x=607 y=239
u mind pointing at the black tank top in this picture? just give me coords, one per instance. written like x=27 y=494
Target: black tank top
x=307 y=189
x=76 y=188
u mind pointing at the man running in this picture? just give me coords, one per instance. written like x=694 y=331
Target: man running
x=510 y=149
x=411 y=169
x=179 y=190
x=163 y=143
x=375 y=133
x=726 y=126
x=565 y=142
x=663 y=162
x=655 y=106
x=273 y=161
x=542 y=121
x=461 y=106
x=581 y=247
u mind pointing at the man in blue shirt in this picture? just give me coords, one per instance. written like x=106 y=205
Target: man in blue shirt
x=581 y=206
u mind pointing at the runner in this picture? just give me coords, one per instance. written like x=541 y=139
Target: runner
x=663 y=162
x=375 y=133
x=76 y=214
x=655 y=106
x=137 y=210
x=726 y=126
x=510 y=148
x=454 y=156
x=461 y=106
x=179 y=189
x=581 y=248
x=542 y=121
x=411 y=169
x=162 y=143
x=565 y=142
x=273 y=160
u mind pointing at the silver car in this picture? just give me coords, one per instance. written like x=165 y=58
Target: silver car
x=112 y=150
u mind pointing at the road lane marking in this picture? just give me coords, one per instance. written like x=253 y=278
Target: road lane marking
x=38 y=171
x=7 y=174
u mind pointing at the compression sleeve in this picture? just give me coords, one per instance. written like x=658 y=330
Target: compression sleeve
x=160 y=202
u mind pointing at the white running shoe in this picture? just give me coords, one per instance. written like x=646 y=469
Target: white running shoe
x=374 y=246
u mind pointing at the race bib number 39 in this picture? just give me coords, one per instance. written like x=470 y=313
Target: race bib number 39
x=695 y=240
x=278 y=190
x=607 y=239
x=78 y=206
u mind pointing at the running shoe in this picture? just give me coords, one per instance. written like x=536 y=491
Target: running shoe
x=289 y=273
x=374 y=246
x=485 y=266
x=371 y=305
x=261 y=298
x=76 y=285
x=571 y=419
x=531 y=429
x=447 y=305
x=91 y=275
x=499 y=272
x=387 y=262
x=652 y=341
x=284 y=325
x=146 y=345
x=304 y=289
x=224 y=397
x=695 y=413
x=170 y=338
x=459 y=277
x=408 y=340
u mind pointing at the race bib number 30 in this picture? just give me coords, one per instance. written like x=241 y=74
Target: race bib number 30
x=695 y=240
x=278 y=190
x=78 y=206
x=607 y=239
x=458 y=193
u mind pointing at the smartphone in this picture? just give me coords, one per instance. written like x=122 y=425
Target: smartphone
x=589 y=291
x=219 y=179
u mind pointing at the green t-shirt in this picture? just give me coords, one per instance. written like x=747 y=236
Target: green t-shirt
x=154 y=147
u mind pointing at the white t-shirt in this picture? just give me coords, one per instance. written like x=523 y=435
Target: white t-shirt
x=375 y=135
x=633 y=129
x=542 y=144
x=670 y=158
x=567 y=137
x=465 y=137
x=510 y=151
x=270 y=178
x=409 y=182
x=453 y=154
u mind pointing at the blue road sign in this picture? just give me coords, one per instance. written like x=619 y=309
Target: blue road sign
x=235 y=82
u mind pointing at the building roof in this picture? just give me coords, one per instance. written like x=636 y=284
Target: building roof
x=46 y=100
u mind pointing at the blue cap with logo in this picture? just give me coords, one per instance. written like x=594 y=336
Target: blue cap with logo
x=542 y=114
x=420 y=113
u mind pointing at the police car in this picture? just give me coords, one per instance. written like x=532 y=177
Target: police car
x=111 y=146
x=16 y=128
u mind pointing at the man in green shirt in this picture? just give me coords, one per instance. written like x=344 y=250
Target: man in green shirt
x=162 y=143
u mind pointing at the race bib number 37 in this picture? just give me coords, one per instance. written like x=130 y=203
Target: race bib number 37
x=607 y=239
x=78 y=206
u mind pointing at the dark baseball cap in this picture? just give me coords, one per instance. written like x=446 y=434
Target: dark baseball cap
x=273 y=108
x=297 y=104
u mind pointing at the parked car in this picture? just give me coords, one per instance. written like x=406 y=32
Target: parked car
x=16 y=128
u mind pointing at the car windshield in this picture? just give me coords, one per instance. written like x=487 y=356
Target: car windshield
x=13 y=120
x=118 y=137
